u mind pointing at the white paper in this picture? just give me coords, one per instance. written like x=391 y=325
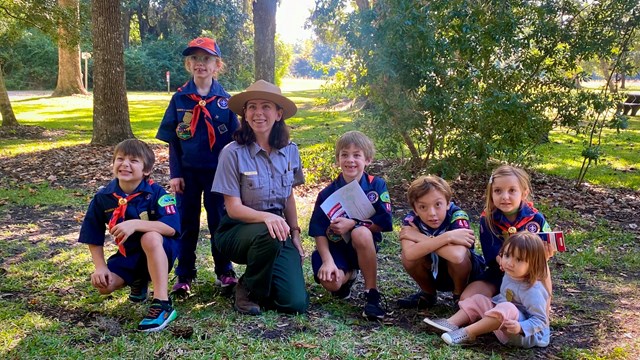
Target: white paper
x=349 y=201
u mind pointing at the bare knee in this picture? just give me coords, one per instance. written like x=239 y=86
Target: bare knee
x=151 y=240
x=362 y=239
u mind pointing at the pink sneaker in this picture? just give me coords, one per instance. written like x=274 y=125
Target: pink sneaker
x=227 y=279
x=182 y=288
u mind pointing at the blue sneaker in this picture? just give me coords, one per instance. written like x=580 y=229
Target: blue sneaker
x=160 y=314
x=138 y=290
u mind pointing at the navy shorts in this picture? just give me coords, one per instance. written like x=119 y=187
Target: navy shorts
x=344 y=256
x=134 y=265
x=493 y=275
x=444 y=282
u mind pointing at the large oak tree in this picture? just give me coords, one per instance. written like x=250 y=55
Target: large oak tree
x=69 y=73
x=110 y=107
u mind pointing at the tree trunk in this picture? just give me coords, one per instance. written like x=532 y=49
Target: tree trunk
x=110 y=107
x=264 y=28
x=8 y=117
x=127 y=14
x=611 y=82
x=69 y=72
x=623 y=81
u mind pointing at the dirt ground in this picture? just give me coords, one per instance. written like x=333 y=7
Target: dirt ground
x=86 y=167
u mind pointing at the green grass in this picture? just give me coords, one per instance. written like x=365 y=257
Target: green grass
x=619 y=166
x=48 y=308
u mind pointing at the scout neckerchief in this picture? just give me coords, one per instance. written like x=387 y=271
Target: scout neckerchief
x=118 y=214
x=201 y=106
x=435 y=259
x=510 y=229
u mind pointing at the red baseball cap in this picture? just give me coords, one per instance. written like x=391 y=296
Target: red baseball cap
x=206 y=44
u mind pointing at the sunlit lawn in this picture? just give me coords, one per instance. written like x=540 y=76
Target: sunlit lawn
x=619 y=166
x=49 y=310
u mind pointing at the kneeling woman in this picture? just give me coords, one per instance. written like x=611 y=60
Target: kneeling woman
x=256 y=174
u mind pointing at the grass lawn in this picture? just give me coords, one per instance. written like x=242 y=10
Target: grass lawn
x=49 y=310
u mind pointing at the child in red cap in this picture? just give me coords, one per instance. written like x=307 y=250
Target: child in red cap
x=197 y=125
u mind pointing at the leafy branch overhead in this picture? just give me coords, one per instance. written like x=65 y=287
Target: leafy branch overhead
x=462 y=83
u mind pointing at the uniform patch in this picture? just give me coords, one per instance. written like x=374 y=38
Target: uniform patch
x=546 y=227
x=223 y=103
x=533 y=227
x=462 y=223
x=183 y=131
x=387 y=207
x=385 y=197
x=222 y=129
x=170 y=210
x=166 y=200
x=188 y=116
x=459 y=215
x=372 y=196
x=144 y=216
x=408 y=220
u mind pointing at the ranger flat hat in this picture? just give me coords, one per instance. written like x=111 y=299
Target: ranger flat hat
x=263 y=90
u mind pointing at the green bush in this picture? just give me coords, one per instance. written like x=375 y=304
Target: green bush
x=29 y=62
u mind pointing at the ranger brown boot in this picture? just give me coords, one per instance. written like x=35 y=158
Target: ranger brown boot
x=243 y=304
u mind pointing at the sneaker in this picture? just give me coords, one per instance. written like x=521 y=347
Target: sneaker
x=442 y=324
x=160 y=314
x=344 y=292
x=243 y=304
x=138 y=290
x=182 y=288
x=457 y=337
x=420 y=300
x=227 y=279
x=372 y=309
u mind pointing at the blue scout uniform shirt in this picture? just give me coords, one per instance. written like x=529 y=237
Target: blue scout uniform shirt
x=152 y=204
x=491 y=243
x=376 y=190
x=261 y=180
x=456 y=218
x=531 y=301
x=196 y=151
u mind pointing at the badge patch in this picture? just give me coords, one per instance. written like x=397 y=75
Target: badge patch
x=462 y=224
x=385 y=197
x=509 y=295
x=331 y=236
x=459 y=215
x=533 y=227
x=183 y=131
x=223 y=103
x=387 y=206
x=408 y=220
x=187 y=117
x=222 y=129
x=166 y=200
x=144 y=216
x=170 y=210
x=372 y=196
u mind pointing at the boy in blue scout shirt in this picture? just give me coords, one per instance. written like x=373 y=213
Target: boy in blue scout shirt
x=197 y=125
x=437 y=243
x=143 y=220
x=336 y=262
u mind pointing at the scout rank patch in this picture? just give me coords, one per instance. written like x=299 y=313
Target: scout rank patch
x=223 y=103
x=168 y=201
x=183 y=131
x=372 y=196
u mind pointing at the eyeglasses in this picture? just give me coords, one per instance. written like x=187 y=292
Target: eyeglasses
x=207 y=59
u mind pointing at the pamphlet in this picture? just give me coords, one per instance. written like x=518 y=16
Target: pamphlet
x=350 y=202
